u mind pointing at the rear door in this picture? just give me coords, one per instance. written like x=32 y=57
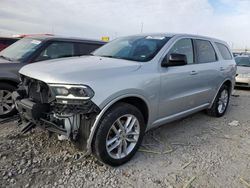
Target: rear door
x=208 y=72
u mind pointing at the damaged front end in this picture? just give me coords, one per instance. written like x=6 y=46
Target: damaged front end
x=63 y=109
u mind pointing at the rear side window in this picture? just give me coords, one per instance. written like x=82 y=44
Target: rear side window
x=224 y=51
x=87 y=48
x=205 y=51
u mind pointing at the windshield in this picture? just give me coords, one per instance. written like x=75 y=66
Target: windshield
x=20 y=49
x=135 y=48
x=243 y=61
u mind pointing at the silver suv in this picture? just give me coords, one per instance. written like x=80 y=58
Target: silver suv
x=105 y=102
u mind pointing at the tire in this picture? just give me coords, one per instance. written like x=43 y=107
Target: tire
x=7 y=106
x=111 y=129
x=215 y=110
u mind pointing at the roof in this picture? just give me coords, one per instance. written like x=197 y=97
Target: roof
x=180 y=34
x=11 y=38
x=50 y=37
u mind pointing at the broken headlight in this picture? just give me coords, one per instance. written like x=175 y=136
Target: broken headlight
x=66 y=93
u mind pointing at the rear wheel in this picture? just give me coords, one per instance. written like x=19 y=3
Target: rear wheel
x=119 y=134
x=220 y=103
x=7 y=105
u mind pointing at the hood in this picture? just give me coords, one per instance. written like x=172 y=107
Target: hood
x=243 y=70
x=78 y=70
x=6 y=61
x=2 y=60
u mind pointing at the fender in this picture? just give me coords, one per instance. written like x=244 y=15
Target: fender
x=7 y=76
x=99 y=116
x=232 y=86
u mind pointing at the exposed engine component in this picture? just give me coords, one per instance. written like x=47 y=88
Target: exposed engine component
x=38 y=107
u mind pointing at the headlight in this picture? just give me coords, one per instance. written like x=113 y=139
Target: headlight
x=80 y=92
x=61 y=91
x=246 y=75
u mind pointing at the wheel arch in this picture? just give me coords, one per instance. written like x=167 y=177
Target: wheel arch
x=9 y=81
x=226 y=82
x=229 y=84
x=135 y=100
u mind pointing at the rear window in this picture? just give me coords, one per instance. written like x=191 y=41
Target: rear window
x=205 y=51
x=224 y=51
x=87 y=48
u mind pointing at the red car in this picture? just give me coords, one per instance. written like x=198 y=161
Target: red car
x=6 y=41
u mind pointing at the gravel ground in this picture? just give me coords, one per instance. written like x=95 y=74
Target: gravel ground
x=213 y=152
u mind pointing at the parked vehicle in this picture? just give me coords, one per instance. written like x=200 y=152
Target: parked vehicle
x=243 y=71
x=30 y=50
x=235 y=54
x=105 y=102
x=7 y=41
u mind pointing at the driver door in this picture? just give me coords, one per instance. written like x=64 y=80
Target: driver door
x=179 y=83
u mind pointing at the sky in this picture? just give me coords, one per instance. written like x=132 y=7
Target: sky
x=228 y=20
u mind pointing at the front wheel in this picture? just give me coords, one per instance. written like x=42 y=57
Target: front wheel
x=7 y=105
x=119 y=134
x=221 y=101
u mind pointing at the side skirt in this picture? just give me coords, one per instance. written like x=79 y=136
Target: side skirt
x=177 y=116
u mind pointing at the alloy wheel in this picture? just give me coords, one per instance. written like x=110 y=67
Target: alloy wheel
x=123 y=136
x=223 y=100
x=6 y=102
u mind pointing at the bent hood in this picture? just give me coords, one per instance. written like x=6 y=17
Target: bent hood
x=78 y=70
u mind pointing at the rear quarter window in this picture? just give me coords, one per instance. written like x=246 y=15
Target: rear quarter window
x=205 y=51
x=224 y=51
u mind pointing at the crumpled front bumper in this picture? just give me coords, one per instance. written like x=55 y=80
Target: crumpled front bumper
x=32 y=111
x=53 y=117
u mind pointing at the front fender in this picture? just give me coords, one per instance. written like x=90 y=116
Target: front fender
x=9 y=76
x=107 y=104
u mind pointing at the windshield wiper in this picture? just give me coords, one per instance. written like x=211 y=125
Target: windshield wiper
x=5 y=57
x=109 y=56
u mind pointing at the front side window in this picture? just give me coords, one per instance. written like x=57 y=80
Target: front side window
x=134 y=48
x=224 y=51
x=21 y=49
x=185 y=47
x=57 y=50
x=205 y=51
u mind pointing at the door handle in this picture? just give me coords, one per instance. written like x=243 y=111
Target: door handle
x=193 y=72
x=222 y=69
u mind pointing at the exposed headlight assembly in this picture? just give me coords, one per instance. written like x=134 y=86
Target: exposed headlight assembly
x=71 y=92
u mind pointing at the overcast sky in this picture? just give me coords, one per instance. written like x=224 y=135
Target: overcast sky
x=225 y=19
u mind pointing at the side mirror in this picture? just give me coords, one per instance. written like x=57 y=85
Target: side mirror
x=174 y=60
